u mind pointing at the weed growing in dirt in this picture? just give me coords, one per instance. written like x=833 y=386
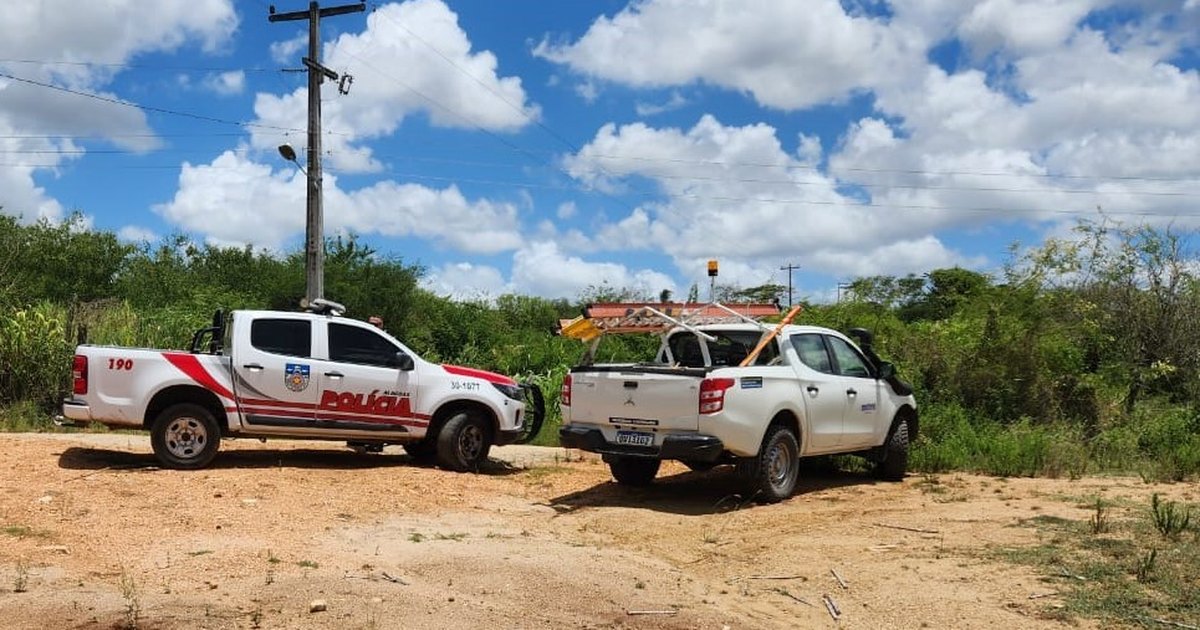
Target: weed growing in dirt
x=133 y=602
x=457 y=536
x=1099 y=518
x=21 y=579
x=416 y=537
x=1113 y=578
x=308 y=564
x=1145 y=567
x=1169 y=520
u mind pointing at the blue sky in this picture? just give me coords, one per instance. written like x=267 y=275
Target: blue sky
x=544 y=147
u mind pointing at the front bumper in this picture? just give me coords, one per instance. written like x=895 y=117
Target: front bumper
x=689 y=447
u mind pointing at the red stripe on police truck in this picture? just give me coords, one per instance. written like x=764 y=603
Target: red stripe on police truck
x=490 y=377
x=191 y=366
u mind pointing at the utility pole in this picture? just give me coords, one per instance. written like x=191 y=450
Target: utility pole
x=314 y=228
x=789 y=268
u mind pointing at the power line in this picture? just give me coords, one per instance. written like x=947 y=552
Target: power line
x=148 y=108
x=132 y=66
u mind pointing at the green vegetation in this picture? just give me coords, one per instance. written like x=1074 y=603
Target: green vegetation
x=1082 y=356
x=1122 y=576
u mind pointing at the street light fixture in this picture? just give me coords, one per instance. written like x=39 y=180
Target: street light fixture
x=289 y=154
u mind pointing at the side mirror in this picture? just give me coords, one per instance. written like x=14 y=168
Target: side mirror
x=404 y=362
x=887 y=370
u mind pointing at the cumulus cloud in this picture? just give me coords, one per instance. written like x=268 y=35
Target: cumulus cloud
x=466 y=281
x=464 y=90
x=235 y=200
x=81 y=35
x=787 y=55
x=226 y=83
x=137 y=234
x=542 y=268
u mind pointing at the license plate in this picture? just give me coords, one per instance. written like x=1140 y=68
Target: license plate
x=635 y=438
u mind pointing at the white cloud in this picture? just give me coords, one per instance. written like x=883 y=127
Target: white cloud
x=734 y=193
x=289 y=51
x=541 y=268
x=566 y=210
x=226 y=83
x=466 y=281
x=82 y=34
x=396 y=75
x=235 y=200
x=587 y=91
x=788 y=55
x=137 y=234
x=649 y=109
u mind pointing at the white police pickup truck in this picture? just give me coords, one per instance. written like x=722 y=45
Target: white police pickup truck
x=303 y=375
x=809 y=391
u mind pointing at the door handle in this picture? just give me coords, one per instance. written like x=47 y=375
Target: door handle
x=253 y=366
x=334 y=374
x=813 y=389
x=851 y=392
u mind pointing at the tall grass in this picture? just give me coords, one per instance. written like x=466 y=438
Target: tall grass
x=1160 y=443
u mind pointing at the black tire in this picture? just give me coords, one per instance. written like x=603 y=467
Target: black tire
x=424 y=450
x=185 y=436
x=895 y=455
x=771 y=476
x=464 y=442
x=699 y=466
x=634 y=471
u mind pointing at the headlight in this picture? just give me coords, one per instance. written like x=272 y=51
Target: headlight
x=512 y=391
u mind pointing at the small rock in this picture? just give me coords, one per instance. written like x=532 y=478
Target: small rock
x=46 y=499
x=63 y=549
x=317 y=605
x=249 y=501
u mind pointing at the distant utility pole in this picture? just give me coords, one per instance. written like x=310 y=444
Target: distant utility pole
x=314 y=232
x=789 y=268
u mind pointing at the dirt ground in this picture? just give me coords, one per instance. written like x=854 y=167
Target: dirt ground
x=94 y=535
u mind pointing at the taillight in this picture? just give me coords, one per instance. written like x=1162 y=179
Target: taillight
x=712 y=394
x=79 y=373
x=564 y=397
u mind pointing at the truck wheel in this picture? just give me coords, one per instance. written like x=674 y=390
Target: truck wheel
x=464 y=442
x=699 y=466
x=634 y=471
x=895 y=455
x=771 y=476
x=185 y=436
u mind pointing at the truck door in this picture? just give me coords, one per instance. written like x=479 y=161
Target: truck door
x=272 y=361
x=363 y=386
x=861 y=422
x=820 y=387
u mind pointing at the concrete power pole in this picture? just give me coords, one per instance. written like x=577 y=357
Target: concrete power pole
x=314 y=230
x=789 y=268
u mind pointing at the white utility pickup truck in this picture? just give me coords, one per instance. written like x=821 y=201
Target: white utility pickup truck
x=303 y=375
x=809 y=391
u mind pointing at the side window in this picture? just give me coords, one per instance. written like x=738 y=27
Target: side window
x=850 y=362
x=290 y=337
x=351 y=344
x=812 y=352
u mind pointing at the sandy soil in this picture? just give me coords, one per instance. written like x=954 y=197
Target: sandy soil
x=97 y=536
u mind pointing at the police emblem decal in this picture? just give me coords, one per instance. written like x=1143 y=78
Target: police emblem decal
x=295 y=376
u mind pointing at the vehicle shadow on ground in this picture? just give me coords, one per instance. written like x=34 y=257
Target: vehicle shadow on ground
x=697 y=493
x=85 y=458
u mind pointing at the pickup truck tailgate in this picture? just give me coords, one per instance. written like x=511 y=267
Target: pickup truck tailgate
x=635 y=398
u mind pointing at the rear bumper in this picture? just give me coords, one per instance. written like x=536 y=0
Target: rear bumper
x=690 y=447
x=77 y=410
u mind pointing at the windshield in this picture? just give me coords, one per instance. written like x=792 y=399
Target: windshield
x=730 y=348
